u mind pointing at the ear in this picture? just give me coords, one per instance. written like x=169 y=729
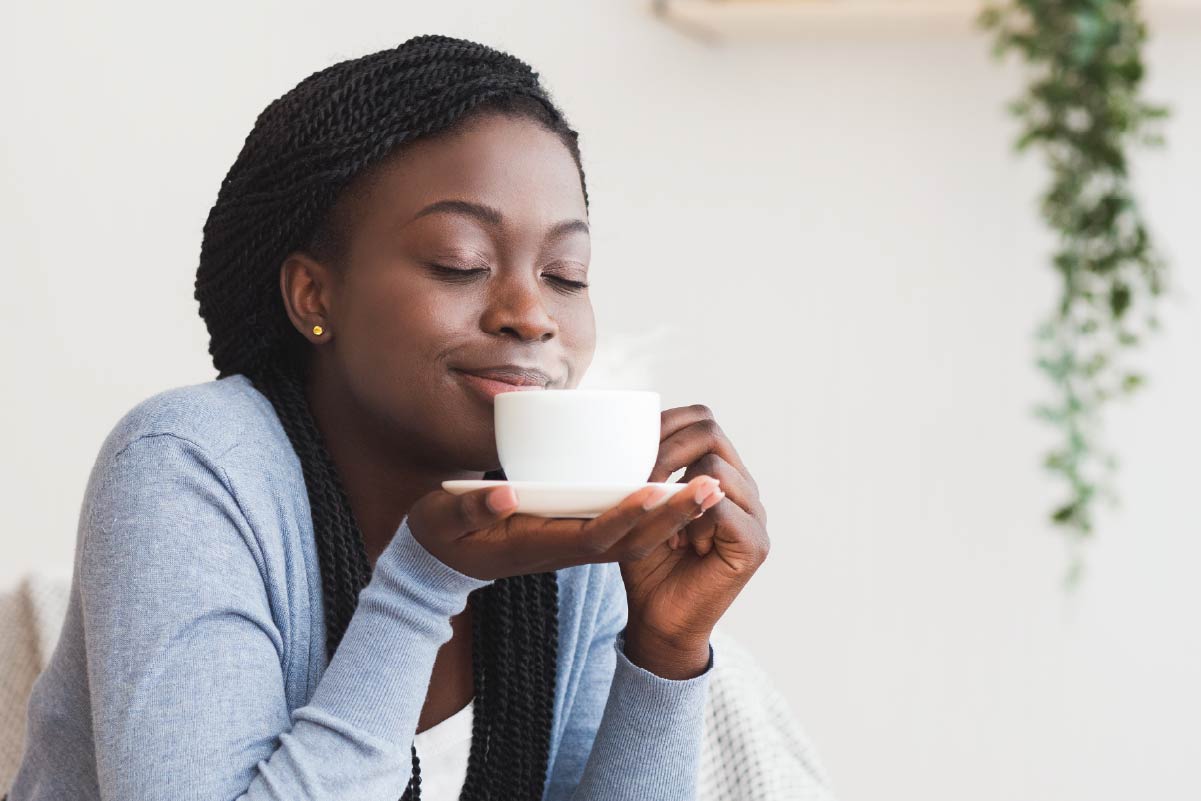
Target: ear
x=306 y=285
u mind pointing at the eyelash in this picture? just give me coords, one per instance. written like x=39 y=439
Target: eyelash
x=454 y=274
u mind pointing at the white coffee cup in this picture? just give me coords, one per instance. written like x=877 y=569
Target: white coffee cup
x=578 y=436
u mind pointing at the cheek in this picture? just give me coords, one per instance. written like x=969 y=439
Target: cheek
x=399 y=334
x=579 y=340
x=577 y=321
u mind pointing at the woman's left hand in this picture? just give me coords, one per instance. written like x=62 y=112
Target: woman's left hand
x=677 y=594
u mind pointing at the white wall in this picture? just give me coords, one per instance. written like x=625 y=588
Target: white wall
x=839 y=222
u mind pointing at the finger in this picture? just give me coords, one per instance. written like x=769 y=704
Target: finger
x=600 y=534
x=661 y=524
x=554 y=543
x=699 y=533
x=456 y=515
x=684 y=438
x=681 y=537
x=671 y=421
x=542 y=543
x=486 y=507
x=736 y=486
x=726 y=527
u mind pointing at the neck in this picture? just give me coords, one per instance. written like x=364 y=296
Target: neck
x=382 y=478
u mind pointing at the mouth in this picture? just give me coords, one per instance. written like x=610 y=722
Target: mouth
x=488 y=382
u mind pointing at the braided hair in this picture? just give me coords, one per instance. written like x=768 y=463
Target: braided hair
x=305 y=149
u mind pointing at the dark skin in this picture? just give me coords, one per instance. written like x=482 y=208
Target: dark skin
x=398 y=421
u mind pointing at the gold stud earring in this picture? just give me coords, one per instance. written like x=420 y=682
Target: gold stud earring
x=318 y=330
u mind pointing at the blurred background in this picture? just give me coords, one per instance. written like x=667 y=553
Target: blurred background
x=822 y=233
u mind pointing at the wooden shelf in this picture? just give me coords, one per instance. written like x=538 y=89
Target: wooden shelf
x=725 y=20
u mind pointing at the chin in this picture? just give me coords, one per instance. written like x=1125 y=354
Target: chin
x=460 y=433
x=474 y=451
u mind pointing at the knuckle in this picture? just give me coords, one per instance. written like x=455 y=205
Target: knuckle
x=710 y=463
x=462 y=515
x=764 y=548
x=636 y=552
x=743 y=566
x=710 y=428
x=701 y=410
x=594 y=545
x=662 y=466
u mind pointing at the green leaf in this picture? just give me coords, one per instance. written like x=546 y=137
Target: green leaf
x=989 y=17
x=1119 y=298
x=1064 y=513
x=1131 y=382
x=1083 y=112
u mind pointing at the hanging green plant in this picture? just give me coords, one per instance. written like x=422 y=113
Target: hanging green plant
x=1082 y=110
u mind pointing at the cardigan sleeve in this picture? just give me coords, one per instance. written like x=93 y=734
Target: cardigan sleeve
x=631 y=733
x=184 y=651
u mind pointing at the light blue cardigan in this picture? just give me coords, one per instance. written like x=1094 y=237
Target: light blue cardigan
x=191 y=663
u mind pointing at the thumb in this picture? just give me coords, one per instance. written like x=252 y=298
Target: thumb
x=455 y=515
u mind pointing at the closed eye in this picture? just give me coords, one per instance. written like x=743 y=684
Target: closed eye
x=455 y=274
x=461 y=275
x=574 y=286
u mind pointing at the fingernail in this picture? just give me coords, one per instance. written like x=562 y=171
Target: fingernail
x=712 y=500
x=502 y=499
x=707 y=486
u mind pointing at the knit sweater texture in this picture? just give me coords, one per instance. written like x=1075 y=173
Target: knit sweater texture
x=191 y=663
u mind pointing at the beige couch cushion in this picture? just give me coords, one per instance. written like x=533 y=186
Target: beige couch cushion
x=31 y=615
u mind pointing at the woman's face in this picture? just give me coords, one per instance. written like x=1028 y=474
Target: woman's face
x=499 y=203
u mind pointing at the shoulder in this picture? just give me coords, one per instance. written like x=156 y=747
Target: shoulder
x=215 y=448
x=216 y=417
x=202 y=474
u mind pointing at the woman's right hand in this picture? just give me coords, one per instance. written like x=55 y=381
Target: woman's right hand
x=478 y=534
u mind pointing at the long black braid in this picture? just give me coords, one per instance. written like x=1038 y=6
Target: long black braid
x=304 y=150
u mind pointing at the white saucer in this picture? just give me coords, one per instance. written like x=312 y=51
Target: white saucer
x=547 y=499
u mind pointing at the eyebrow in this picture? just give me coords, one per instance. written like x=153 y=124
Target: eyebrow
x=490 y=216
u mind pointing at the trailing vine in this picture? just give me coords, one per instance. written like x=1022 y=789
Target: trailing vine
x=1081 y=110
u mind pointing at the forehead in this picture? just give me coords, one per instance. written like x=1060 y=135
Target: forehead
x=511 y=164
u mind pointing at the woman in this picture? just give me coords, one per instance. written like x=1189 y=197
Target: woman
x=274 y=599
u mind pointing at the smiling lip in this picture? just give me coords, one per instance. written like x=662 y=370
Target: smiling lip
x=488 y=382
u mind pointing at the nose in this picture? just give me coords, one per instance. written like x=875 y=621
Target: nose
x=516 y=308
